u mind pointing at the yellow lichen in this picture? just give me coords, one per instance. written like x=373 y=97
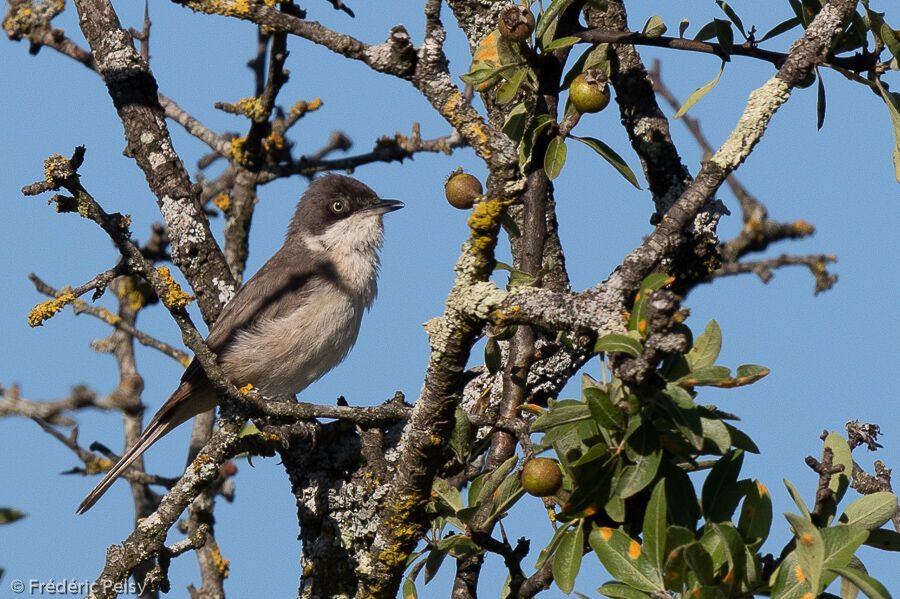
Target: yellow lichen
x=47 y=309
x=483 y=223
x=200 y=462
x=96 y=466
x=252 y=108
x=175 y=297
x=53 y=165
x=274 y=141
x=804 y=228
x=472 y=130
x=106 y=315
x=222 y=201
x=237 y=151
x=245 y=390
x=302 y=107
x=137 y=292
x=221 y=564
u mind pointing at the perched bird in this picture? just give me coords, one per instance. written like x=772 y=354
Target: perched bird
x=296 y=318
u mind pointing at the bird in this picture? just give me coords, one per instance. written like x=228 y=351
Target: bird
x=295 y=319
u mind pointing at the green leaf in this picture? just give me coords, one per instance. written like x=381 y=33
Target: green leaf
x=756 y=515
x=610 y=156
x=567 y=560
x=870 y=511
x=725 y=36
x=606 y=414
x=561 y=413
x=708 y=375
x=480 y=75
x=561 y=42
x=841 y=542
x=684 y=415
x=732 y=15
x=868 y=585
x=700 y=562
x=492 y=356
x=409 y=589
x=638 y=475
x=810 y=549
x=820 y=101
x=721 y=494
x=884 y=539
x=538 y=124
x=473 y=495
x=706 y=32
x=548 y=16
x=625 y=560
x=555 y=157
x=514 y=127
x=654 y=27
x=615 y=342
x=617 y=590
x=706 y=347
x=506 y=91
x=547 y=551
x=798 y=499
x=509 y=492
x=654 y=530
x=840 y=452
x=591 y=492
x=733 y=545
x=447 y=493
x=889 y=36
x=715 y=431
x=10 y=514
x=780 y=28
x=684 y=509
x=787 y=584
x=749 y=373
x=463 y=434
x=638 y=320
x=433 y=561
x=615 y=508
x=892 y=99
x=698 y=94
x=594 y=453
x=740 y=439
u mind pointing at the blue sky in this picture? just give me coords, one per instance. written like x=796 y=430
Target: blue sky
x=833 y=357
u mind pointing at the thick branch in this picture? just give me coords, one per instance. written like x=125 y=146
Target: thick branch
x=134 y=93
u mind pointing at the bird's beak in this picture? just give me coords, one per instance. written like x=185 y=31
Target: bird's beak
x=385 y=206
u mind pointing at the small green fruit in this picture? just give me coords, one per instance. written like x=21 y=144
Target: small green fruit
x=462 y=189
x=589 y=91
x=516 y=23
x=541 y=477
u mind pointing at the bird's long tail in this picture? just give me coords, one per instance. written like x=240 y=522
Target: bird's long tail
x=188 y=400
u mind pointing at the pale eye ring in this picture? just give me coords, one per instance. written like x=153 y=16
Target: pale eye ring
x=338 y=207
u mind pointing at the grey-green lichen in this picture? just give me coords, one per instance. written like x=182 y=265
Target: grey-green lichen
x=761 y=105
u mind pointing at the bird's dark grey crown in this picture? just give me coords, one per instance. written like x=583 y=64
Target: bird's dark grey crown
x=329 y=199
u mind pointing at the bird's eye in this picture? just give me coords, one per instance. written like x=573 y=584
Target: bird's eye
x=338 y=207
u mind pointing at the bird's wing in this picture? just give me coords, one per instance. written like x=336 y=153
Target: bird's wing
x=276 y=290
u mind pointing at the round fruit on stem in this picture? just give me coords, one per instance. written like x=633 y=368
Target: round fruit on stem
x=541 y=477
x=462 y=189
x=516 y=23
x=589 y=91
